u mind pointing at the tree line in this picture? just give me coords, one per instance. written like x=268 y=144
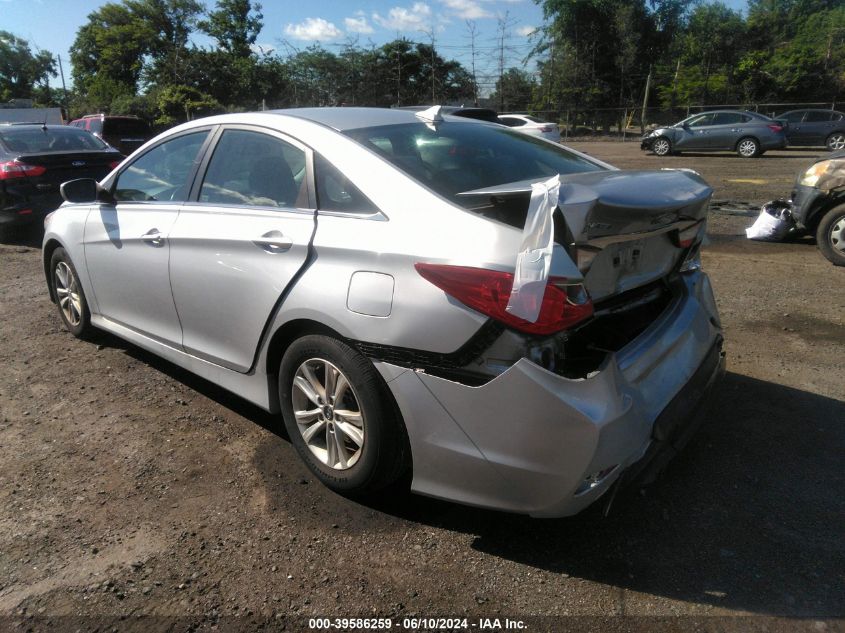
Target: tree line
x=136 y=57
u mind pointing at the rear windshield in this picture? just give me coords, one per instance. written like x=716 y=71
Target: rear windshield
x=33 y=139
x=459 y=157
x=126 y=127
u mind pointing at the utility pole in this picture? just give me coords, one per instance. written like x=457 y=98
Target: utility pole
x=645 y=100
x=64 y=87
x=472 y=33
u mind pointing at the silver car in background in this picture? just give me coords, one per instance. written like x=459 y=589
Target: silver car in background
x=532 y=126
x=749 y=134
x=350 y=268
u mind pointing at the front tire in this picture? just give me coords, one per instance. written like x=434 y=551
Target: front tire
x=70 y=298
x=830 y=235
x=748 y=147
x=662 y=146
x=340 y=416
x=835 y=141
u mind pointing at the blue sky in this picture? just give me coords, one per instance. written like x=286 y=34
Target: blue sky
x=52 y=25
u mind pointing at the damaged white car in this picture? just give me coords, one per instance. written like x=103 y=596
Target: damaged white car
x=508 y=323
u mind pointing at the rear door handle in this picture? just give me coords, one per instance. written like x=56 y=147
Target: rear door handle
x=274 y=242
x=154 y=237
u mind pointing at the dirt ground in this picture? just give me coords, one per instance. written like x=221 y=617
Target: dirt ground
x=134 y=496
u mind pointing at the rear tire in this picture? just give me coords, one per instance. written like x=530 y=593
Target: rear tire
x=748 y=147
x=835 y=141
x=830 y=235
x=340 y=416
x=70 y=298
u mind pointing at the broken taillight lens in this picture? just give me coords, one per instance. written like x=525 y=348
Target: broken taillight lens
x=487 y=291
x=689 y=236
x=774 y=127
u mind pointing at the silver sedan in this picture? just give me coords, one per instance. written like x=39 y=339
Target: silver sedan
x=500 y=320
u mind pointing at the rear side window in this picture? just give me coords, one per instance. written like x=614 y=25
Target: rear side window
x=255 y=169
x=511 y=121
x=727 y=118
x=335 y=192
x=162 y=173
x=793 y=117
x=33 y=139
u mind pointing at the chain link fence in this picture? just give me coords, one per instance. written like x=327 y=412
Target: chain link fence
x=629 y=124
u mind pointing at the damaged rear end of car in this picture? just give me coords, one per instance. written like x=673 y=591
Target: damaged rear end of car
x=543 y=417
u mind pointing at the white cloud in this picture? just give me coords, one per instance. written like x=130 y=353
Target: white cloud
x=417 y=18
x=358 y=25
x=313 y=29
x=467 y=9
x=525 y=31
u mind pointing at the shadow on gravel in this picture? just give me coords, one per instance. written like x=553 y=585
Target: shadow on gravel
x=22 y=236
x=750 y=517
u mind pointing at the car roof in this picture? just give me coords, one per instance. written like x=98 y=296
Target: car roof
x=343 y=119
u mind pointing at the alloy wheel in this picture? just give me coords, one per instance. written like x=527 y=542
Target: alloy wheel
x=836 y=142
x=747 y=148
x=328 y=414
x=67 y=293
x=661 y=147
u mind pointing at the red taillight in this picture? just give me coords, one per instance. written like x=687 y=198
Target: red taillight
x=25 y=212
x=774 y=127
x=488 y=291
x=687 y=237
x=114 y=164
x=15 y=169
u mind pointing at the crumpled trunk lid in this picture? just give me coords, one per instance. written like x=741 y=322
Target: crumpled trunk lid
x=620 y=228
x=623 y=227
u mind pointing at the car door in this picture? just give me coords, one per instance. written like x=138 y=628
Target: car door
x=126 y=243
x=725 y=131
x=240 y=241
x=817 y=125
x=794 y=124
x=694 y=132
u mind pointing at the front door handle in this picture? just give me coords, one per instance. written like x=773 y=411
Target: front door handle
x=154 y=237
x=274 y=242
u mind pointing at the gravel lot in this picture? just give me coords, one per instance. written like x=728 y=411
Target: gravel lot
x=128 y=487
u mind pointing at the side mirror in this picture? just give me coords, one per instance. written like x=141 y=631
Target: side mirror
x=84 y=190
x=685 y=125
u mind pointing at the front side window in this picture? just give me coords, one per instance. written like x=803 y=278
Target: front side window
x=162 y=173
x=255 y=169
x=701 y=120
x=793 y=117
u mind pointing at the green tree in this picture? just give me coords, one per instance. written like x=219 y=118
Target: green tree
x=515 y=89
x=110 y=50
x=235 y=25
x=22 y=72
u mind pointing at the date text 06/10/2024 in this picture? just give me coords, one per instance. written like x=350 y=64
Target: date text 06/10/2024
x=415 y=624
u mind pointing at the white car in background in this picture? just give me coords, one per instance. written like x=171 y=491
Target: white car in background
x=532 y=126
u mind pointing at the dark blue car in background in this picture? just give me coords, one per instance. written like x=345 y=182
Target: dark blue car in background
x=815 y=127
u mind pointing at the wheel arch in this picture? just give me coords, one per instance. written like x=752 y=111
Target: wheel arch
x=290 y=331
x=814 y=217
x=49 y=248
